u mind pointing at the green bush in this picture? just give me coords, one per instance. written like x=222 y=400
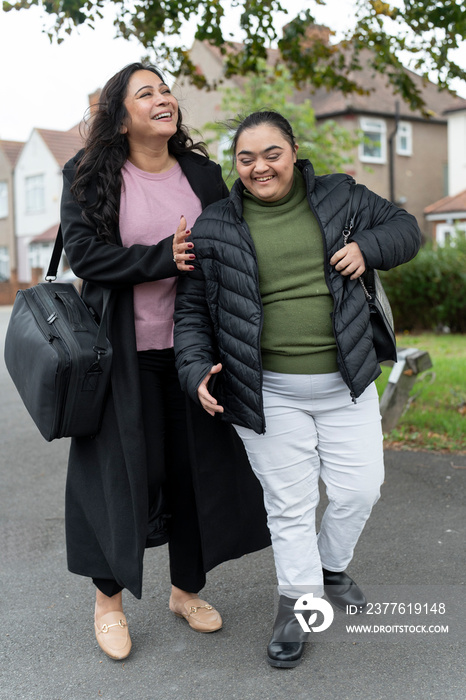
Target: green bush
x=429 y=292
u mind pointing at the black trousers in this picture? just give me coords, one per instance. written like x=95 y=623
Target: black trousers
x=169 y=479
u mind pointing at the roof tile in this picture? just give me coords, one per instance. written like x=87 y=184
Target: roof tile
x=12 y=149
x=453 y=203
x=381 y=99
x=62 y=144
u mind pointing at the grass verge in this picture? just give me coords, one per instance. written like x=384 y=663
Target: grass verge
x=435 y=418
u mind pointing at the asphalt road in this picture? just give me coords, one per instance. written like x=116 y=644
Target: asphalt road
x=413 y=548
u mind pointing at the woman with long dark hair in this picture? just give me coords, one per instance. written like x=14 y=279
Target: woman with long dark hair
x=128 y=201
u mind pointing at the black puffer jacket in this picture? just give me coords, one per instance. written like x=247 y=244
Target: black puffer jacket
x=218 y=313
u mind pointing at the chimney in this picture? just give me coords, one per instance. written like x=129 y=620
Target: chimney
x=316 y=32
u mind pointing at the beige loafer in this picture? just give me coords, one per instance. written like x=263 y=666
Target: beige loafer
x=200 y=616
x=112 y=635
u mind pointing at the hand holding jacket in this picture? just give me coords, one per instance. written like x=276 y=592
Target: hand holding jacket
x=183 y=249
x=349 y=261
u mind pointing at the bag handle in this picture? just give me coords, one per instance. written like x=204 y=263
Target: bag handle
x=350 y=217
x=100 y=346
x=367 y=279
x=72 y=310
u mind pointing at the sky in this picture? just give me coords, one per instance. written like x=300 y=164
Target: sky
x=47 y=85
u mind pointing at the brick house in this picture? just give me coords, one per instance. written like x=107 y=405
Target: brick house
x=448 y=215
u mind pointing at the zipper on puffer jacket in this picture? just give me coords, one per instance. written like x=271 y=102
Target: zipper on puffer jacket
x=329 y=286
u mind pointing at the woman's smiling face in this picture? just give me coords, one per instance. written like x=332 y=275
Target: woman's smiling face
x=152 y=111
x=265 y=162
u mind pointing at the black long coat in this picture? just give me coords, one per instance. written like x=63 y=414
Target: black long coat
x=106 y=491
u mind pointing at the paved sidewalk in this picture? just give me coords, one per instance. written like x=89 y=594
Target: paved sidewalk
x=415 y=537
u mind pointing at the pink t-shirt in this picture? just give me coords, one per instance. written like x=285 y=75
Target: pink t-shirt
x=150 y=208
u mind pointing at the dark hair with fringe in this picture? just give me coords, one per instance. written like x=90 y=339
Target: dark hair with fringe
x=106 y=151
x=269 y=117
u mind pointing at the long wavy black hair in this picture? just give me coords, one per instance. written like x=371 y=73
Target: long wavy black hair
x=107 y=149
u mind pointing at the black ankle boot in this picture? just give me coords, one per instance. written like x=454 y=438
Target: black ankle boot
x=286 y=647
x=342 y=591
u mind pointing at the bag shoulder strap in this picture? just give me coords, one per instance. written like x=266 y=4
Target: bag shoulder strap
x=367 y=280
x=100 y=346
x=351 y=212
x=56 y=255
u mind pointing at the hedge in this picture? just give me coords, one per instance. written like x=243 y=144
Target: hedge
x=429 y=292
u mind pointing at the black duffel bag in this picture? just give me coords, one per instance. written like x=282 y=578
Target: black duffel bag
x=58 y=356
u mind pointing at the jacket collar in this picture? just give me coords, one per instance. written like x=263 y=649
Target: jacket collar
x=307 y=169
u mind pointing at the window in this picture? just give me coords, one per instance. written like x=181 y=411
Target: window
x=40 y=254
x=448 y=232
x=373 y=148
x=35 y=193
x=404 y=139
x=3 y=200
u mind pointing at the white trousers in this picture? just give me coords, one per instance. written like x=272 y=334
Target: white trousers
x=313 y=429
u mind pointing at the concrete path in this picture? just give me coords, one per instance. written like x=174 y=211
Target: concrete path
x=413 y=546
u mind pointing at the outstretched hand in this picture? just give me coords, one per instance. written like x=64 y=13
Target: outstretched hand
x=182 y=251
x=207 y=400
x=349 y=261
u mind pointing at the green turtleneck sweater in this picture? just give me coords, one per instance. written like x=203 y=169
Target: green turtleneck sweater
x=297 y=335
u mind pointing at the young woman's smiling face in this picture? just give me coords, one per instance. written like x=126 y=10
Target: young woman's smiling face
x=152 y=111
x=265 y=162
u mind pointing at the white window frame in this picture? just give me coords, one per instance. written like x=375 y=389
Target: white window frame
x=448 y=230
x=35 y=193
x=3 y=199
x=40 y=254
x=404 y=139
x=369 y=125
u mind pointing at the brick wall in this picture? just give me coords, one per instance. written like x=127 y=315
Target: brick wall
x=8 y=289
